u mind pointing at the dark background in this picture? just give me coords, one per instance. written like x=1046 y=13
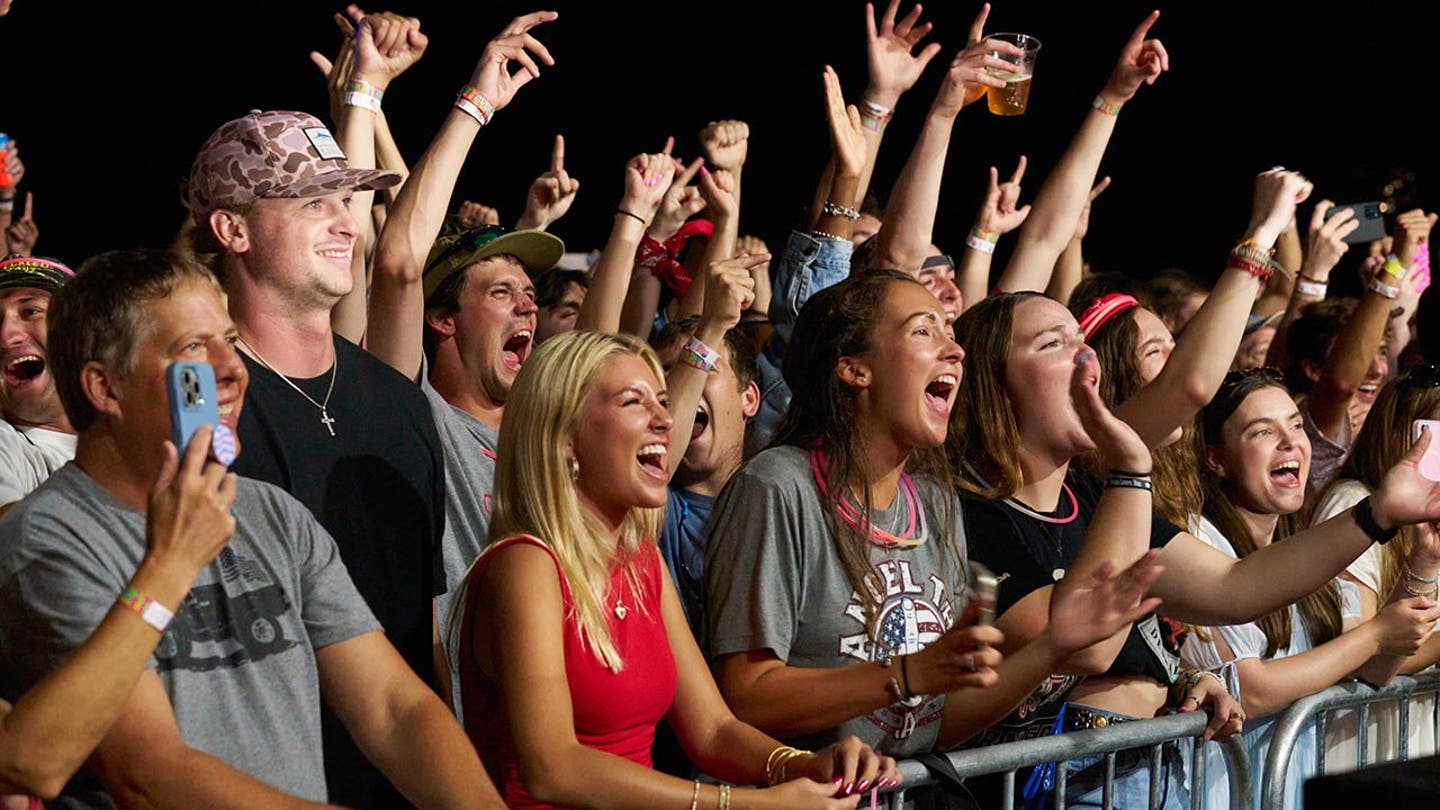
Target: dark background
x=110 y=102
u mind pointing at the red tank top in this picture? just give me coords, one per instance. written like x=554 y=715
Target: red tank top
x=613 y=712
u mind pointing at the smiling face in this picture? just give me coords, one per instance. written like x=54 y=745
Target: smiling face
x=1044 y=340
x=300 y=248
x=190 y=324
x=622 y=440
x=717 y=440
x=1264 y=455
x=27 y=391
x=910 y=375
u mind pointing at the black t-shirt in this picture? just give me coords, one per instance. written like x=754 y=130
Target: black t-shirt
x=1024 y=554
x=378 y=486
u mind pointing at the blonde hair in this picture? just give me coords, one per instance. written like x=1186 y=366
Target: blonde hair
x=535 y=495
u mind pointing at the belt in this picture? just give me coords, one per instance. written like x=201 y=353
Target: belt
x=1078 y=718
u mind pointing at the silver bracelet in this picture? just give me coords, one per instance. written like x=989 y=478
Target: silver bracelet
x=1410 y=574
x=831 y=209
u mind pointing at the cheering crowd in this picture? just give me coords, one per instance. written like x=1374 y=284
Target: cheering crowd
x=655 y=526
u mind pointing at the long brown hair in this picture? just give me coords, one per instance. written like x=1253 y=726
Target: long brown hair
x=1383 y=441
x=838 y=322
x=983 y=432
x=1178 y=493
x=1321 y=609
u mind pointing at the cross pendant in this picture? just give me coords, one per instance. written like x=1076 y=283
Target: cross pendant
x=329 y=422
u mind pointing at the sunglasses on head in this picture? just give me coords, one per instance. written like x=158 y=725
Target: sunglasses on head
x=470 y=241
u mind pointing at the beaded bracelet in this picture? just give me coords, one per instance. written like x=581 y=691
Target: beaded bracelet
x=1410 y=574
x=155 y=614
x=1259 y=271
x=824 y=235
x=471 y=102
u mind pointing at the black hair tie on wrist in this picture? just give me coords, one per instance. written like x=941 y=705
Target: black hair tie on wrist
x=1365 y=519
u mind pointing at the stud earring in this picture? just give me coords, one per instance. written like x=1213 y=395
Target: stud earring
x=574 y=470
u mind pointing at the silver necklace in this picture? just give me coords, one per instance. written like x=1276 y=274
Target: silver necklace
x=323 y=406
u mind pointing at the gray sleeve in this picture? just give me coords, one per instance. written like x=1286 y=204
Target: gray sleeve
x=52 y=601
x=753 y=562
x=332 y=609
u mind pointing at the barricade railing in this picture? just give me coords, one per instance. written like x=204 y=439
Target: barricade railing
x=1290 y=724
x=1008 y=758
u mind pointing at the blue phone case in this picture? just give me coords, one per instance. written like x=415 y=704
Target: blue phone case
x=192 y=400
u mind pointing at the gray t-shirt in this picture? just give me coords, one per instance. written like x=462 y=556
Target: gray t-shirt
x=774 y=580
x=469 y=447
x=238 y=661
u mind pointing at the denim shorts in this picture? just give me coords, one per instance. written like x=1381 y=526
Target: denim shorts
x=1085 y=777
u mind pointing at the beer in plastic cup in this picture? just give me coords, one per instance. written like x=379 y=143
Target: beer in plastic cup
x=1011 y=99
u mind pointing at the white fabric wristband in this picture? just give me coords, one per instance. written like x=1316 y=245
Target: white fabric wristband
x=369 y=102
x=1314 y=289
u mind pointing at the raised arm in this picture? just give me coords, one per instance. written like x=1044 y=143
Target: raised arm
x=397 y=300
x=1203 y=354
x=551 y=194
x=1070 y=267
x=910 y=215
x=1326 y=246
x=1203 y=586
x=23 y=233
x=53 y=727
x=1063 y=194
x=999 y=214
x=381 y=48
x=647 y=180
x=894 y=67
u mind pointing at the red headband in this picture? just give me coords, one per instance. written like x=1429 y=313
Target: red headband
x=1102 y=309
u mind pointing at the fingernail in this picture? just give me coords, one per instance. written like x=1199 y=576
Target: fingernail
x=704 y=172
x=861 y=787
x=1084 y=356
x=837 y=781
x=849 y=788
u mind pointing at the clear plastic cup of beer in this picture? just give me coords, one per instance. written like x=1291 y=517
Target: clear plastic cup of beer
x=1011 y=99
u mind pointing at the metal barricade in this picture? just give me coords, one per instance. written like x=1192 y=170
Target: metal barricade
x=1292 y=721
x=1007 y=758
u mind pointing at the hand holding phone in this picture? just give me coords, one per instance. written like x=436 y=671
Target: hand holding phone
x=1430 y=462
x=1370 y=215
x=193 y=403
x=983 y=586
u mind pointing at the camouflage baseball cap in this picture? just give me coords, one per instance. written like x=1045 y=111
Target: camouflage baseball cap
x=273 y=154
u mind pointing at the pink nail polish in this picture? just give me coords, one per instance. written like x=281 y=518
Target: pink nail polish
x=705 y=172
x=849 y=788
x=861 y=787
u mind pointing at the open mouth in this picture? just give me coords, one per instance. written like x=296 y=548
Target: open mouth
x=937 y=393
x=23 y=369
x=336 y=254
x=702 y=421
x=1367 y=392
x=1287 y=475
x=652 y=459
x=517 y=349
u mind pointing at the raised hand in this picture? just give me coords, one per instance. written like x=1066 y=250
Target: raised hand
x=850 y=765
x=23 y=232
x=14 y=166
x=1405 y=497
x=473 y=214
x=718 y=189
x=1082 y=227
x=730 y=289
x=1117 y=445
x=847 y=136
x=1326 y=242
x=963 y=658
x=966 y=79
x=890 y=52
x=189 y=518
x=1141 y=62
x=998 y=213
x=1277 y=193
x=552 y=193
x=1103 y=604
x=386 y=45
x=646 y=179
x=726 y=144
x=492 y=76
x=680 y=200
x=1412 y=231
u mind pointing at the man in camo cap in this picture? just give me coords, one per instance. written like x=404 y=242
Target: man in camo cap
x=350 y=438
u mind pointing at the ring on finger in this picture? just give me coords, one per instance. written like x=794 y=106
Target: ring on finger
x=970 y=661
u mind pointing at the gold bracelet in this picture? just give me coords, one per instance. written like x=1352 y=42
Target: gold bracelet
x=724 y=803
x=695 y=797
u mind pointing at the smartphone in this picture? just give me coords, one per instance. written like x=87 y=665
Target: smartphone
x=1370 y=215
x=983 y=586
x=1430 y=462
x=193 y=403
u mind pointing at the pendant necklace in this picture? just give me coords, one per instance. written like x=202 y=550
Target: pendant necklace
x=324 y=407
